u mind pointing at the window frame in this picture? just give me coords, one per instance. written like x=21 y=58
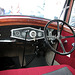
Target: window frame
x=68 y=13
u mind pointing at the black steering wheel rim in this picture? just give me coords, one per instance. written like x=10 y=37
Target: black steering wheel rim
x=45 y=37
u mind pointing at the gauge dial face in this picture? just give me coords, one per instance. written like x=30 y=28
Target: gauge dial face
x=23 y=34
x=33 y=34
x=39 y=34
x=17 y=33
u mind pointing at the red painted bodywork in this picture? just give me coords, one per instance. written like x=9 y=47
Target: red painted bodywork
x=68 y=46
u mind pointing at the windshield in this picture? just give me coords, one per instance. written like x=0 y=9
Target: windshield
x=72 y=17
x=50 y=9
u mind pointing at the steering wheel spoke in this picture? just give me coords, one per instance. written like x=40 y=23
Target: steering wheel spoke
x=62 y=46
x=63 y=37
x=58 y=29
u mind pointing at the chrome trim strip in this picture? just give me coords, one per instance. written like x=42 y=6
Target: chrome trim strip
x=7 y=40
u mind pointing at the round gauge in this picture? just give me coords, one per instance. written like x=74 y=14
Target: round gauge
x=17 y=33
x=24 y=33
x=39 y=34
x=33 y=34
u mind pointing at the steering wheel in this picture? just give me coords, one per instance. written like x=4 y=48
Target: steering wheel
x=59 y=36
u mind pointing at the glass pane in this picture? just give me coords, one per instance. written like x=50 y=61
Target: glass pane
x=72 y=17
x=49 y=9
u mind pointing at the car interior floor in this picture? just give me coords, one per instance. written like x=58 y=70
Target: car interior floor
x=11 y=57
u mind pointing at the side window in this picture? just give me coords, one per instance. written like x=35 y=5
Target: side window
x=72 y=17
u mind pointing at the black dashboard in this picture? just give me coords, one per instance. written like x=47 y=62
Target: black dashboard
x=11 y=33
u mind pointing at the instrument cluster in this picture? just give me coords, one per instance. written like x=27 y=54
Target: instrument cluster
x=28 y=33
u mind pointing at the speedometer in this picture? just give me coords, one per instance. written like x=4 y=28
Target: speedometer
x=33 y=34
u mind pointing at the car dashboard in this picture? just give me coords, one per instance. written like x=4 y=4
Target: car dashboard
x=14 y=29
x=29 y=33
x=13 y=33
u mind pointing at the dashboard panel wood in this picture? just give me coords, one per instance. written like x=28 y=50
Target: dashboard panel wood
x=27 y=20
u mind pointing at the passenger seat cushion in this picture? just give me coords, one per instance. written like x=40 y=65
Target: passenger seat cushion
x=61 y=71
x=35 y=70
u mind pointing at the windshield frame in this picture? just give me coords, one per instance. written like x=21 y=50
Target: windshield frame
x=68 y=12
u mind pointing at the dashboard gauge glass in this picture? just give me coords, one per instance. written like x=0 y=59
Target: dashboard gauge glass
x=17 y=33
x=39 y=34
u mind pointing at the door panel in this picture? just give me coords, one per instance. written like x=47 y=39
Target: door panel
x=69 y=60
